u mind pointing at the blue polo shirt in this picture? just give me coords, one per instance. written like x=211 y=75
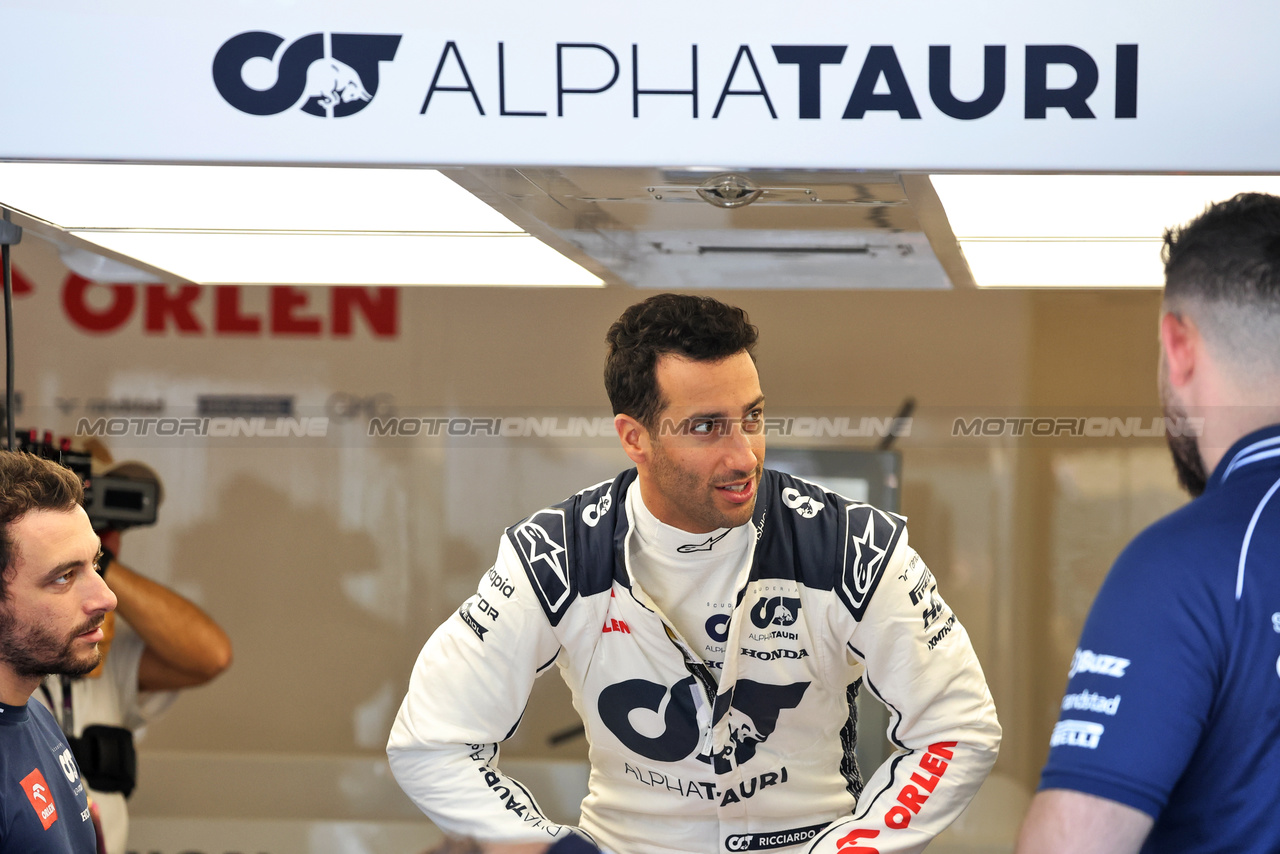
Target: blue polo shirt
x=43 y=803
x=1173 y=700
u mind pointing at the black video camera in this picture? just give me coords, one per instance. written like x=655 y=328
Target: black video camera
x=114 y=501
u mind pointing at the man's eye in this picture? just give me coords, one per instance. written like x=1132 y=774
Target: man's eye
x=703 y=428
x=65 y=578
x=753 y=422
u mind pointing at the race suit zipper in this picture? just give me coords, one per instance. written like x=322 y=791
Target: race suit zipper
x=696 y=667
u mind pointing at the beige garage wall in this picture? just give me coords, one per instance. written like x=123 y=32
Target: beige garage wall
x=329 y=561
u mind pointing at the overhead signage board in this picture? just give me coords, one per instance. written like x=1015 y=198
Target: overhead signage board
x=926 y=85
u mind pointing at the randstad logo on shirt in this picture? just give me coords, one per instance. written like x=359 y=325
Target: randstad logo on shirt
x=1076 y=734
x=1088 y=661
x=1086 y=701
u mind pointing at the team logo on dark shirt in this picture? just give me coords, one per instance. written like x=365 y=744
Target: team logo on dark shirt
x=68 y=763
x=804 y=505
x=593 y=513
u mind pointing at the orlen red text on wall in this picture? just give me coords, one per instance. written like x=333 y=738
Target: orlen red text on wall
x=224 y=310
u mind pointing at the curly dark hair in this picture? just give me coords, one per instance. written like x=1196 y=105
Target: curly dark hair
x=698 y=328
x=27 y=483
x=1230 y=253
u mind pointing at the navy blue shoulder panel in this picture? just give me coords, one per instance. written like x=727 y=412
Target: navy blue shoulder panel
x=822 y=539
x=568 y=550
x=870 y=536
x=796 y=531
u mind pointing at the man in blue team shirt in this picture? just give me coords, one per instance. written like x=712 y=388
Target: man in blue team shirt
x=52 y=606
x=1169 y=738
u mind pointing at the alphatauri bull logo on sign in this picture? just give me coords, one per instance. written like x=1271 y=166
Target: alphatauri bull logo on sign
x=322 y=74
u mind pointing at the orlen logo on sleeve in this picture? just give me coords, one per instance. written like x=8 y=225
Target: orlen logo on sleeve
x=913 y=795
x=326 y=75
x=41 y=798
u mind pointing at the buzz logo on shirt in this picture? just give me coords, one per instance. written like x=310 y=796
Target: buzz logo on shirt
x=1088 y=661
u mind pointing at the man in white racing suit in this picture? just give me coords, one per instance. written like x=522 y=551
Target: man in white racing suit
x=714 y=621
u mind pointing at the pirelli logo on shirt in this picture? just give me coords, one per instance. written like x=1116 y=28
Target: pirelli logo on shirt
x=37 y=791
x=1077 y=734
x=543 y=548
x=870 y=537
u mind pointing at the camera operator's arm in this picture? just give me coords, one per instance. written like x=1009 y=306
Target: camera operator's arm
x=184 y=646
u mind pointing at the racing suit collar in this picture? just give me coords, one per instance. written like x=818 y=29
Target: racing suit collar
x=674 y=543
x=1260 y=446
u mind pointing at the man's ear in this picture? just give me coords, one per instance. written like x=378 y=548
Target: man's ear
x=1181 y=345
x=634 y=437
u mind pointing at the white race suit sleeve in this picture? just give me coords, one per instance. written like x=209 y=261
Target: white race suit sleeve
x=921 y=665
x=466 y=695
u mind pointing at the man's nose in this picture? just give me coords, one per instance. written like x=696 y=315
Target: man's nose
x=741 y=454
x=100 y=598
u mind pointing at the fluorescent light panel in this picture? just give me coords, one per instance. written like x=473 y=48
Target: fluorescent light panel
x=224 y=224
x=245 y=198
x=353 y=259
x=1076 y=230
x=1064 y=263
